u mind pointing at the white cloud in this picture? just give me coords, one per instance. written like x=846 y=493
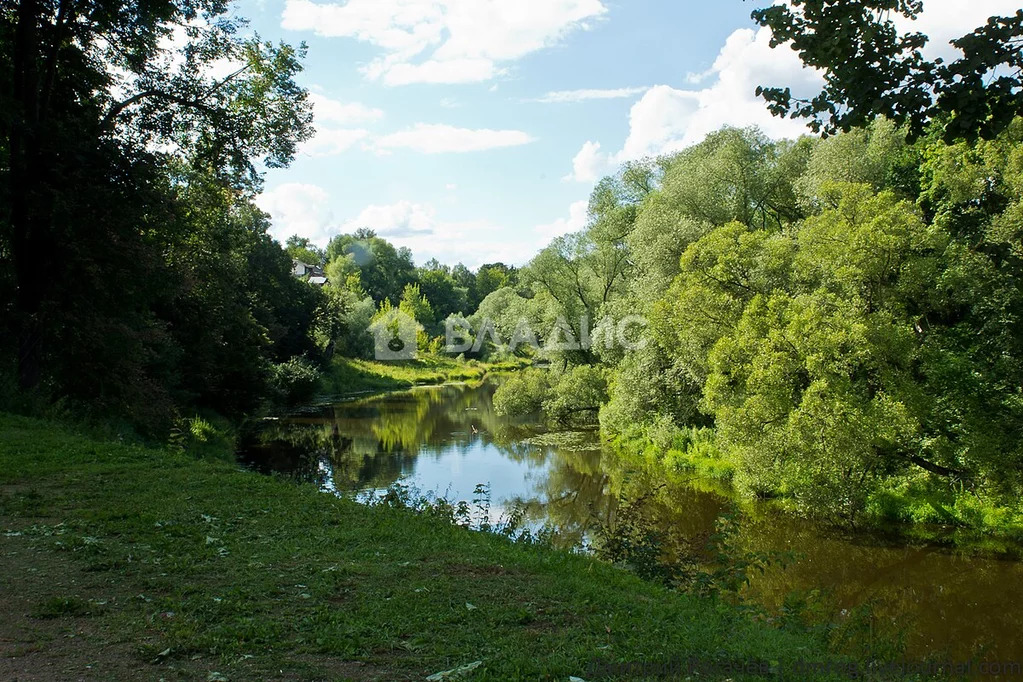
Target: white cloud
x=439 y=139
x=334 y=121
x=668 y=119
x=659 y=121
x=443 y=41
x=944 y=20
x=589 y=164
x=578 y=217
x=418 y=227
x=327 y=110
x=298 y=209
x=403 y=219
x=562 y=96
x=433 y=71
x=333 y=141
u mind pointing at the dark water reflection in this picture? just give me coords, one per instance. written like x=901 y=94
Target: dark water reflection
x=447 y=439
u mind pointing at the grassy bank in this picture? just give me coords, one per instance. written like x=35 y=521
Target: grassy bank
x=347 y=375
x=917 y=504
x=128 y=563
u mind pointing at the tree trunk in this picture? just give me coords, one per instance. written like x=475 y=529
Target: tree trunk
x=936 y=468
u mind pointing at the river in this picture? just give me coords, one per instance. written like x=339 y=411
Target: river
x=940 y=601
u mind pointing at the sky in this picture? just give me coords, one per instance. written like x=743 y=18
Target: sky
x=473 y=131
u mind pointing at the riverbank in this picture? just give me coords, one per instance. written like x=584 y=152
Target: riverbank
x=127 y=563
x=918 y=505
x=347 y=376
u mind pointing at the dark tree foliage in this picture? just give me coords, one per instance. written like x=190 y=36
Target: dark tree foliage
x=133 y=281
x=871 y=69
x=489 y=278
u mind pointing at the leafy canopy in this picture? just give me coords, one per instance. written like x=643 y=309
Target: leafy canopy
x=872 y=70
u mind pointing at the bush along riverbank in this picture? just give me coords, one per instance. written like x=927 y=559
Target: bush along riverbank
x=919 y=504
x=123 y=562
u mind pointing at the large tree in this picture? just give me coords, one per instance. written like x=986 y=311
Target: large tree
x=130 y=246
x=93 y=94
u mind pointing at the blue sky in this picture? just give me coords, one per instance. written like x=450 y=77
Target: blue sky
x=474 y=130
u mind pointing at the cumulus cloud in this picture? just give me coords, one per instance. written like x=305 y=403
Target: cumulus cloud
x=297 y=208
x=589 y=164
x=658 y=123
x=571 y=96
x=438 y=139
x=443 y=41
x=327 y=110
x=578 y=216
x=668 y=119
x=944 y=20
x=403 y=219
x=420 y=228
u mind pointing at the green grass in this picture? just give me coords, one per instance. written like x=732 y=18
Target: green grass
x=192 y=567
x=349 y=376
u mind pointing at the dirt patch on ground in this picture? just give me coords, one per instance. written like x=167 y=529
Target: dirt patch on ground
x=49 y=624
x=319 y=668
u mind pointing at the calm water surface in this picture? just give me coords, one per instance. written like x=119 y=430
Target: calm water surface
x=446 y=440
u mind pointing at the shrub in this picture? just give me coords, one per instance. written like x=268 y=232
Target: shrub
x=523 y=393
x=294 y=381
x=577 y=396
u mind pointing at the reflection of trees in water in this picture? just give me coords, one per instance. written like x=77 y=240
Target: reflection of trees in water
x=943 y=602
x=572 y=495
x=374 y=441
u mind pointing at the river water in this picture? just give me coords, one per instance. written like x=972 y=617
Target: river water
x=940 y=601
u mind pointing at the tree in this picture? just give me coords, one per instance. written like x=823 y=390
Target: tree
x=416 y=306
x=302 y=249
x=488 y=279
x=87 y=91
x=733 y=175
x=872 y=70
x=441 y=289
x=465 y=278
x=384 y=270
x=878 y=155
